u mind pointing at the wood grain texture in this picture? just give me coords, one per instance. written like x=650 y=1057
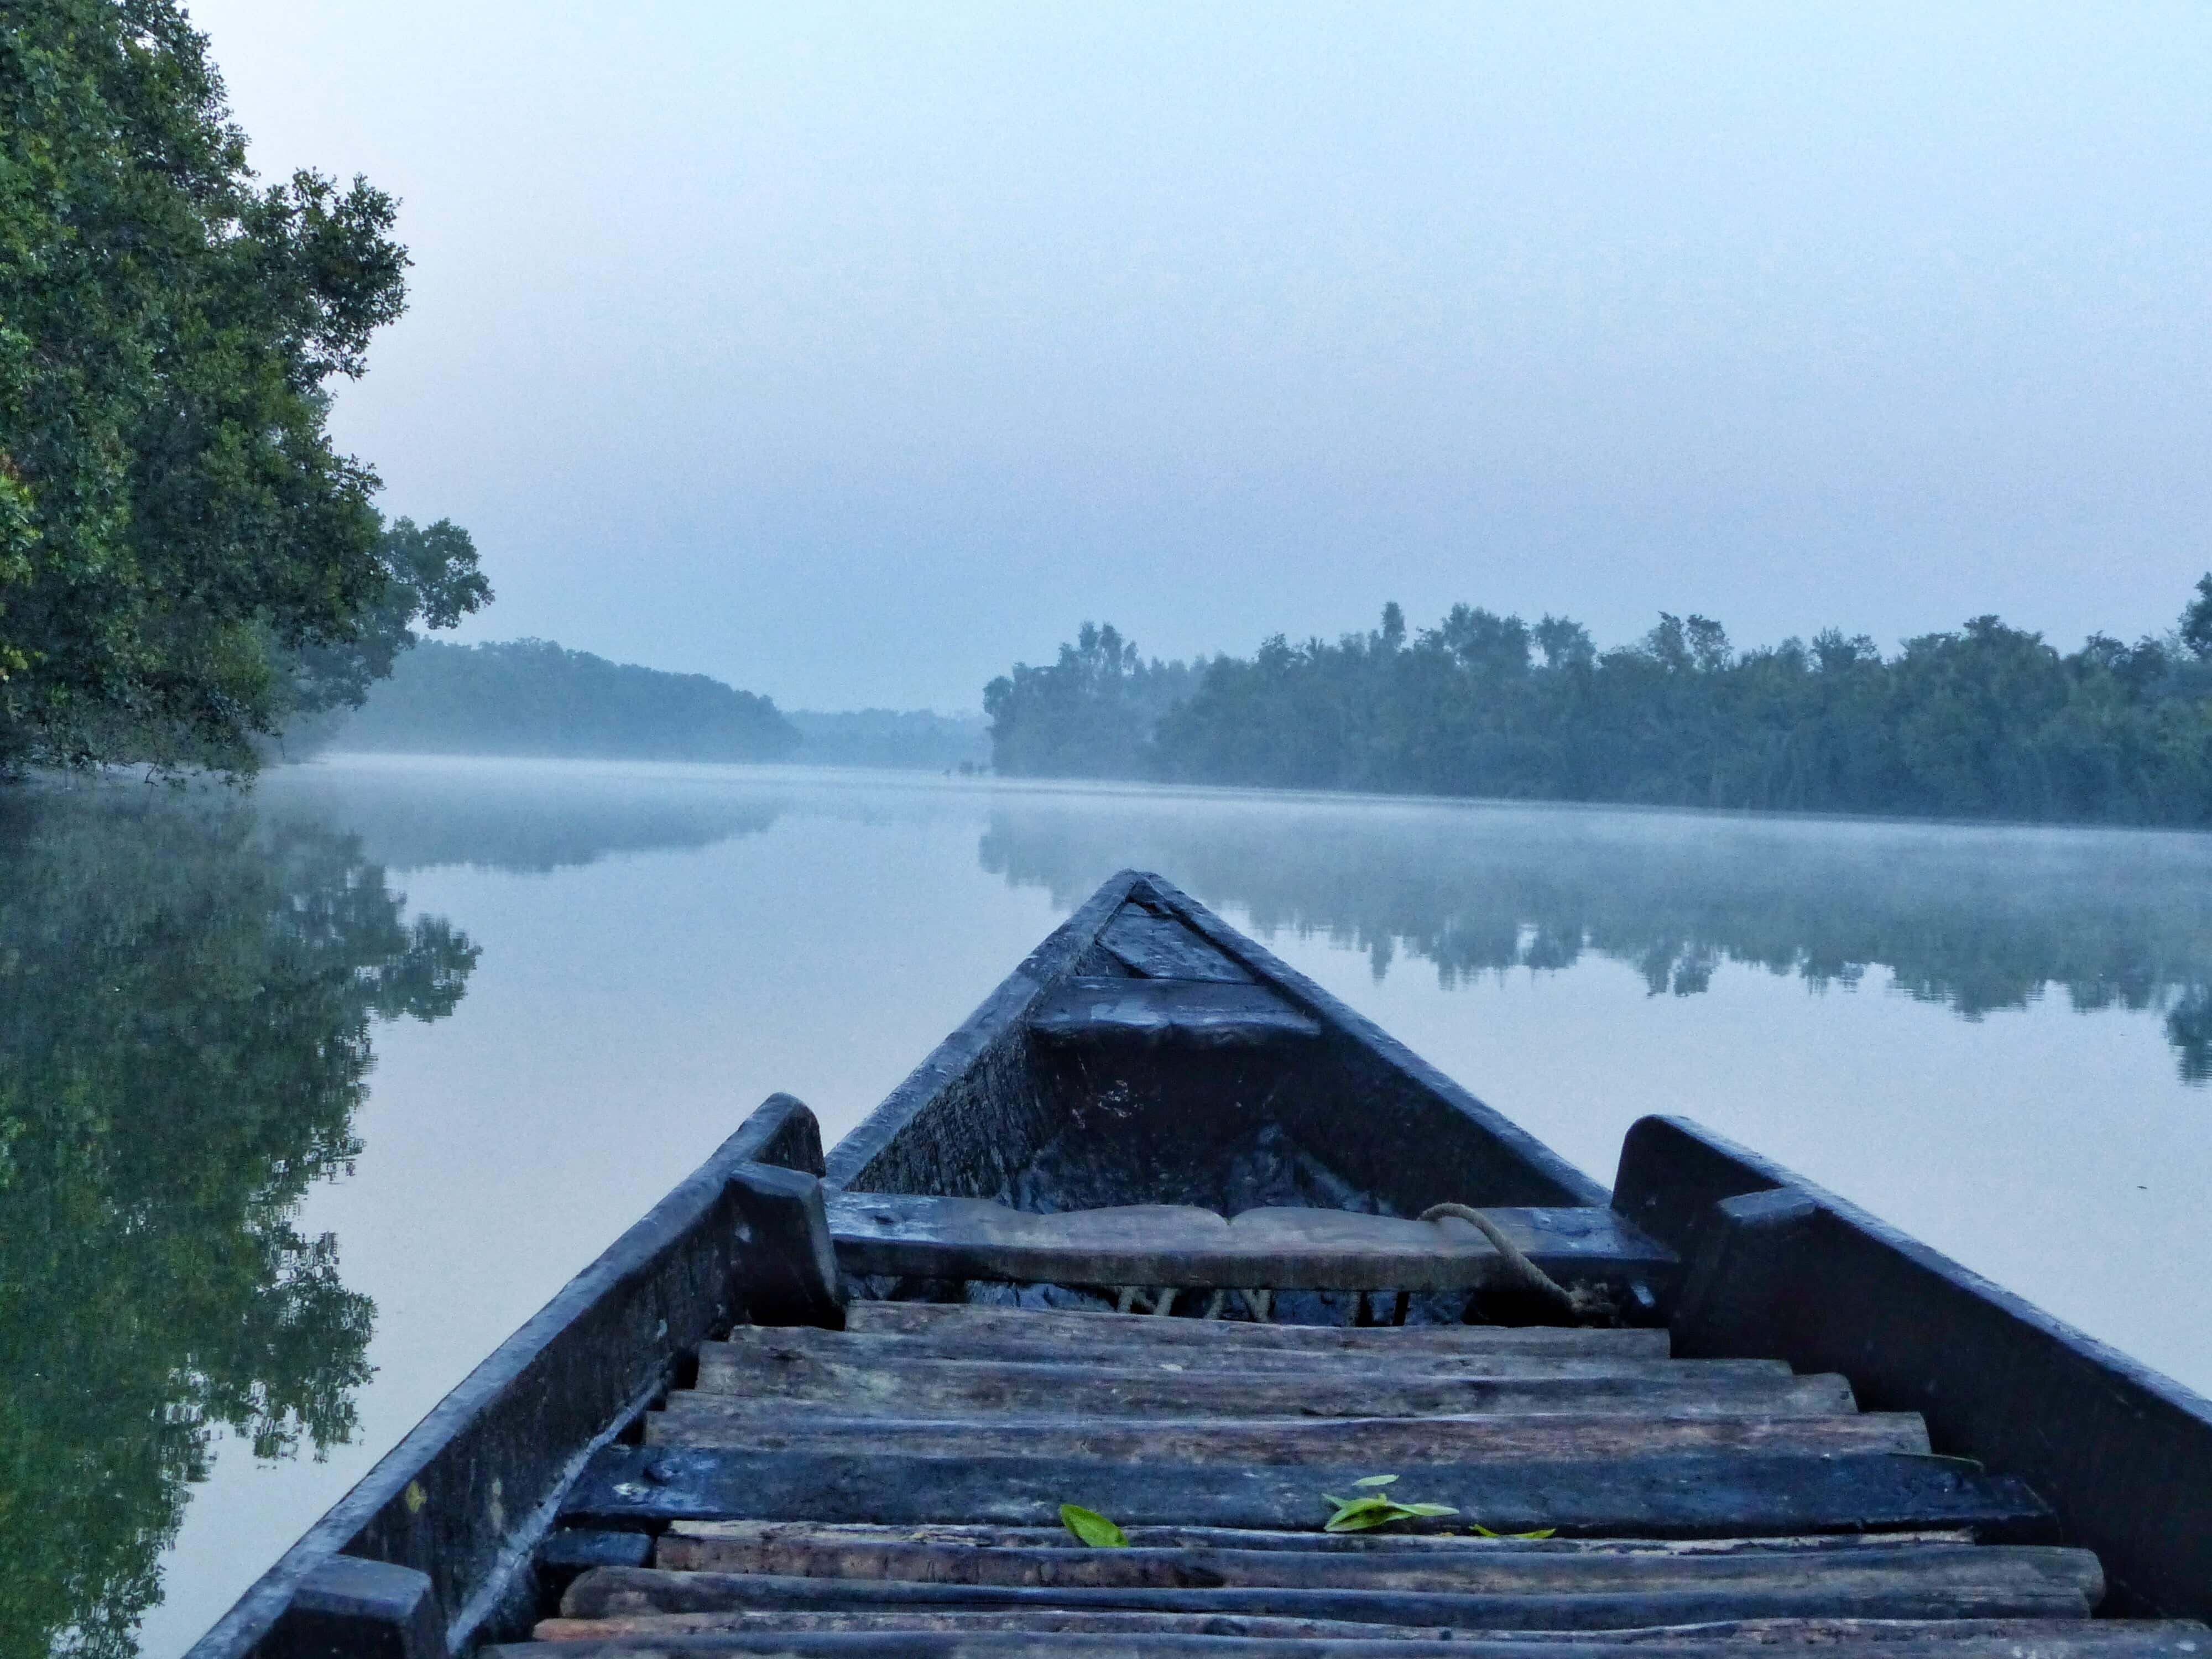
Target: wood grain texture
x=1672 y=1497
x=1057 y=1537
x=749 y=1344
x=1168 y=1012
x=1730 y=1639
x=886 y=1620
x=697 y=1420
x=1156 y=946
x=1108 y=1353
x=924 y=1236
x=1931 y=1570
x=620 y=1591
x=958 y=1387
x=953 y=1326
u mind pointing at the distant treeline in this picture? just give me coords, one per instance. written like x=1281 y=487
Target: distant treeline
x=534 y=697
x=1988 y=721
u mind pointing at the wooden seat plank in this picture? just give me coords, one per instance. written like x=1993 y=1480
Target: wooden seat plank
x=1158 y=1013
x=693 y=1418
x=1199 y=1360
x=616 y=1589
x=658 y=1627
x=952 y=1635
x=2030 y=1571
x=973 y=1536
x=748 y=1343
x=956 y=1325
x=926 y=1237
x=1160 y=947
x=960 y=1387
x=1679 y=1496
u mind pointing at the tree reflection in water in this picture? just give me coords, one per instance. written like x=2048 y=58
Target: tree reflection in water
x=186 y=999
x=1976 y=919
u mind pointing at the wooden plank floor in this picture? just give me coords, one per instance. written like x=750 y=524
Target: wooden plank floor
x=892 y=1489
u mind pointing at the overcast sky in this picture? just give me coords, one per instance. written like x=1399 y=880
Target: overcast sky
x=851 y=354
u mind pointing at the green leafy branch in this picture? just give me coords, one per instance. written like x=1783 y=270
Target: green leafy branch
x=1361 y=1514
x=1372 y=1510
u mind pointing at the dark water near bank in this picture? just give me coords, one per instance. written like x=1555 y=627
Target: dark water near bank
x=308 y=1099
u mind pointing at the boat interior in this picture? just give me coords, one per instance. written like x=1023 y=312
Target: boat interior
x=1158 y=1084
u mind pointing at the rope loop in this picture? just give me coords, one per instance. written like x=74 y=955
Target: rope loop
x=1583 y=1302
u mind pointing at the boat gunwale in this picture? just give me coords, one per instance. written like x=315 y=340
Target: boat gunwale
x=1008 y=1004
x=1778 y=1266
x=781 y=1131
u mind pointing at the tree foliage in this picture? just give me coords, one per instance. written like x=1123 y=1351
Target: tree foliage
x=534 y=698
x=431 y=577
x=1089 y=714
x=184 y=558
x=1989 y=721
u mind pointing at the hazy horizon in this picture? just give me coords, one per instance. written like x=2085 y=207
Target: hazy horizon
x=850 y=355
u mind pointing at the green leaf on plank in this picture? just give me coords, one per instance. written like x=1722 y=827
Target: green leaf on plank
x=1092 y=1528
x=1364 y=1514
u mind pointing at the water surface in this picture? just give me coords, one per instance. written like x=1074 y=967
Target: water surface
x=307 y=1100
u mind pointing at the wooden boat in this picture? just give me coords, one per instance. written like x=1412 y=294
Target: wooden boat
x=1155 y=1233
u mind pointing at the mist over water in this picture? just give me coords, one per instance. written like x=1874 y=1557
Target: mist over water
x=1976 y=920
x=1995 y=1037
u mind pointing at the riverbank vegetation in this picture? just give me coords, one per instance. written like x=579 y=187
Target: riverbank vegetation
x=186 y=560
x=534 y=698
x=1986 y=721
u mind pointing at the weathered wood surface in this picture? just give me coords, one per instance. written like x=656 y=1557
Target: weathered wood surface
x=517 y=1424
x=1732 y=1639
x=607 y=1591
x=1058 y=1537
x=1434 y=1609
x=2124 y=1454
x=687 y=1561
x=573 y=1552
x=754 y=1343
x=1157 y=1012
x=960 y=1388
x=1711 y=1496
x=1160 y=947
x=693 y=1420
x=1032 y=1620
x=957 y=1328
x=1196 y=1360
x=924 y=1236
x=795 y=1280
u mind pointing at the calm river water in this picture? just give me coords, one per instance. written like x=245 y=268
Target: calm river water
x=306 y=1099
